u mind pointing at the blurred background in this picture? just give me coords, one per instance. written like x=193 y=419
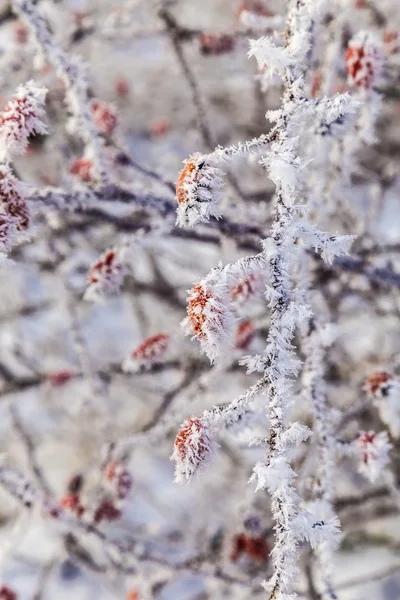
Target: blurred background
x=79 y=394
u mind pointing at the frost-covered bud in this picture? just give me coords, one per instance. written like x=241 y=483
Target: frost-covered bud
x=104 y=116
x=83 y=169
x=255 y=548
x=247 y=288
x=14 y=210
x=364 y=60
x=372 y=449
x=105 y=276
x=216 y=44
x=198 y=191
x=384 y=389
x=210 y=317
x=193 y=449
x=149 y=352
x=244 y=334
x=6 y=593
x=21 y=118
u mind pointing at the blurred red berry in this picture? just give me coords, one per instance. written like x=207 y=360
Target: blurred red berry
x=105 y=116
x=216 y=43
x=21 y=33
x=363 y=61
x=375 y=381
x=245 y=333
x=160 y=127
x=256 y=548
x=72 y=503
x=152 y=348
x=106 y=511
x=60 y=378
x=316 y=84
x=82 y=168
x=6 y=593
x=122 y=88
x=254 y=6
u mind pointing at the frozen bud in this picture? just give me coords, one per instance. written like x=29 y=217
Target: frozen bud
x=384 y=389
x=254 y=547
x=14 y=210
x=372 y=449
x=216 y=44
x=193 y=449
x=105 y=276
x=364 y=60
x=83 y=169
x=151 y=351
x=6 y=593
x=106 y=511
x=210 y=318
x=244 y=334
x=21 y=118
x=60 y=378
x=198 y=191
x=104 y=116
x=247 y=288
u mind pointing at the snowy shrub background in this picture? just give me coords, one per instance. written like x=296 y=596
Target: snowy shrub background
x=199 y=299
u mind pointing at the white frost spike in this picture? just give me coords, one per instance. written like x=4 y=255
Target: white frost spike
x=271 y=59
x=329 y=246
x=316 y=528
x=198 y=191
x=294 y=435
x=372 y=449
x=21 y=118
x=210 y=315
x=272 y=476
